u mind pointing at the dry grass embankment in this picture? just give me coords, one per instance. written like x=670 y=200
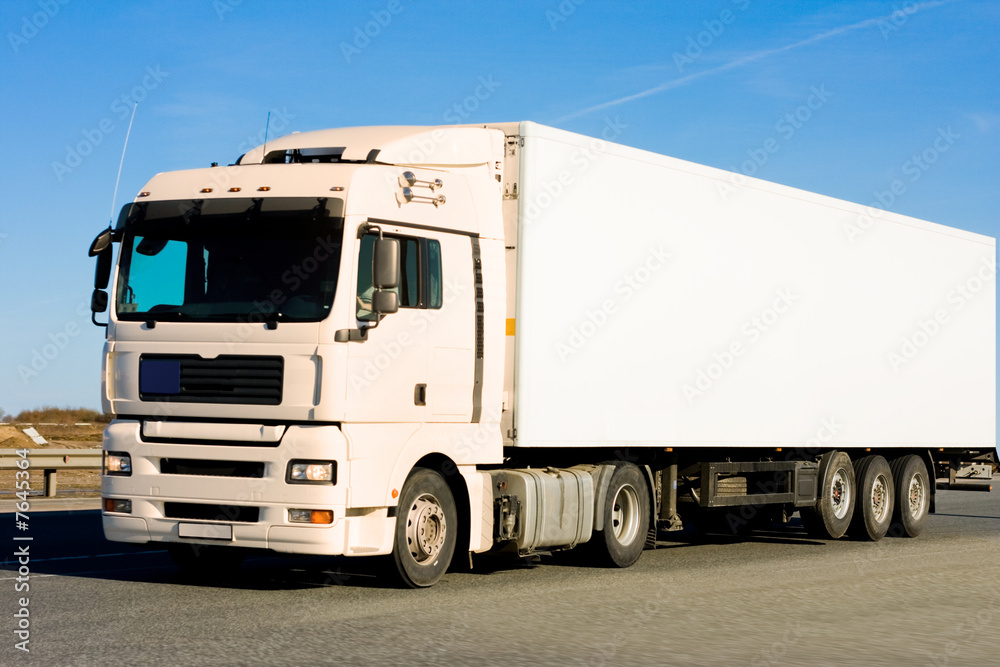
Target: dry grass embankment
x=63 y=428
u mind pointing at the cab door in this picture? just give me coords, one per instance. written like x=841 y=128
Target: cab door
x=387 y=373
x=451 y=331
x=418 y=364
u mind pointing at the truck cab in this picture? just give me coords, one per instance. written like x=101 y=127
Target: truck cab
x=289 y=337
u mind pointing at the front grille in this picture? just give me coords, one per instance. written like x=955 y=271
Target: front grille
x=212 y=468
x=238 y=513
x=233 y=379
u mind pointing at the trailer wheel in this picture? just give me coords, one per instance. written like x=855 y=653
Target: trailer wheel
x=626 y=519
x=426 y=529
x=873 y=509
x=912 y=495
x=834 y=508
x=205 y=561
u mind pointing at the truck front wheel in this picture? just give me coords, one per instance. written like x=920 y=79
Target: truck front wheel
x=834 y=508
x=426 y=529
x=626 y=519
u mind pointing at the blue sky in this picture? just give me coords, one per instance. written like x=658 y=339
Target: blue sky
x=849 y=91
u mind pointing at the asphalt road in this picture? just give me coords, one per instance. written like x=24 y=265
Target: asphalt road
x=776 y=598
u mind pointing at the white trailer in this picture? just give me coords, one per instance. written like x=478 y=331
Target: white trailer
x=423 y=341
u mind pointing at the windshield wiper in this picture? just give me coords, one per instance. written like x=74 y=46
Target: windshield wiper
x=152 y=318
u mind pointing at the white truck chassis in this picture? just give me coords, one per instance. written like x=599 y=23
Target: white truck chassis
x=417 y=341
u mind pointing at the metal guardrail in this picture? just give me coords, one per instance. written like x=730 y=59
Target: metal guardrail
x=51 y=461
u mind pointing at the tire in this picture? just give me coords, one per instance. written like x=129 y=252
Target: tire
x=205 y=561
x=626 y=519
x=874 y=506
x=426 y=529
x=834 y=509
x=911 y=494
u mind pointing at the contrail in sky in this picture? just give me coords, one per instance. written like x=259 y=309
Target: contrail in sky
x=745 y=60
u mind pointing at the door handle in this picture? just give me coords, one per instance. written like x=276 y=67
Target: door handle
x=420 y=394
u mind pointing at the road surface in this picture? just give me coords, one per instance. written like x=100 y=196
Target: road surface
x=775 y=598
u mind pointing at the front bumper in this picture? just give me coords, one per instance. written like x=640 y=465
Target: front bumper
x=155 y=494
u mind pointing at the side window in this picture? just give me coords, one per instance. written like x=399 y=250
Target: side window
x=419 y=276
x=365 y=286
x=409 y=276
x=433 y=274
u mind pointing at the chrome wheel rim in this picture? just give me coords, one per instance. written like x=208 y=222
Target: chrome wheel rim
x=625 y=514
x=426 y=529
x=880 y=498
x=840 y=494
x=915 y=496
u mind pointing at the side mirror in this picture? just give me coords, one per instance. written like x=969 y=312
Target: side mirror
x=98 y=301
x=385 y=302
x=101 y=243
x=101 y=248
x=385 y=264
x=102 y=273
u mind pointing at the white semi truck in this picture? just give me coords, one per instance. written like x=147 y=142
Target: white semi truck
x=427 y=342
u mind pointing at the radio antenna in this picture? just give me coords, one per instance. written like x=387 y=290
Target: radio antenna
x=266 y=126
x=114 y=197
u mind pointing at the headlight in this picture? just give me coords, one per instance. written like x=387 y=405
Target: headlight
x=312 y=472
x=122 y=506
x=117 y=463
x=310 y=516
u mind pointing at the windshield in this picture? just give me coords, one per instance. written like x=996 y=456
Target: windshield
x=230 y=260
